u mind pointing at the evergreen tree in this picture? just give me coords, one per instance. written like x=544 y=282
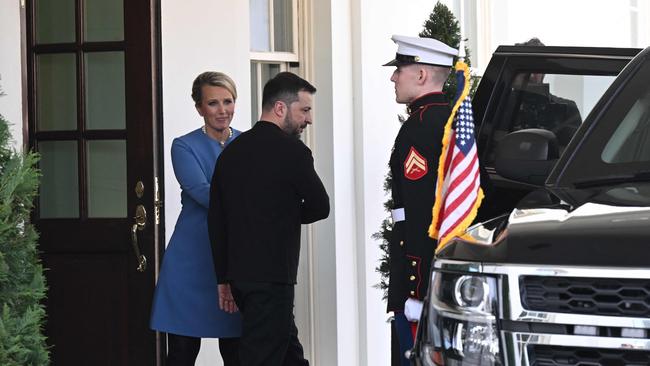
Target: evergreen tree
x=383 y=235
x=443 y=26
x=22 y=285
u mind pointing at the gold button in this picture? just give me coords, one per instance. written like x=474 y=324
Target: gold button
x=401 y=243
x=414 y=263
x=412 y=278
x=412 y=293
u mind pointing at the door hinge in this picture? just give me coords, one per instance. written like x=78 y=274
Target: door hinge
x=22 y=4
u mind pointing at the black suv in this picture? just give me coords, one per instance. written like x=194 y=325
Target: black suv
x=558 y=270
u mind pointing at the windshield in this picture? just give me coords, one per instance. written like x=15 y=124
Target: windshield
x=617 y=147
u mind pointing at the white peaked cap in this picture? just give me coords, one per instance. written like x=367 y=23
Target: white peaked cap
x=422 y=50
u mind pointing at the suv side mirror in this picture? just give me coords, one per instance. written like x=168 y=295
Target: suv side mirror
x=527 y=155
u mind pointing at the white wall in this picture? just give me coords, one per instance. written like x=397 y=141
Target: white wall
x=10 y=70
x=602 y=23
x=200 y=35
x=643 y=31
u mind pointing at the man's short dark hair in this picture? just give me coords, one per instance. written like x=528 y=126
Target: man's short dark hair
x=284 y=87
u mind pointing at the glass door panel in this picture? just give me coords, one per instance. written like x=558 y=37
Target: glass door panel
x=256 y=99
x=104 y=20
x=56 y=85
x=269 y=71
x=259 y=18
x=283 y=24
x=261 y=72
x=59 y=190
x=105 y=100
x=55 y=21
x=106 y=178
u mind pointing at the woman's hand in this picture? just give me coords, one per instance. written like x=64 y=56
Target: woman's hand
x=226 y=301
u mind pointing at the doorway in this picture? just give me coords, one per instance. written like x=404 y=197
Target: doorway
x=92 y=81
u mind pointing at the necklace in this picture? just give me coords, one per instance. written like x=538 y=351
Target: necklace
x=222 y=143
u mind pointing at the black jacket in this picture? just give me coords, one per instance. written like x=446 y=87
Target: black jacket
x=264 y=186
x=414 y=167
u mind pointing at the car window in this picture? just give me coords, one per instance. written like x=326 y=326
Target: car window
x=617 y=144
x=554 y=102
x=630 y=142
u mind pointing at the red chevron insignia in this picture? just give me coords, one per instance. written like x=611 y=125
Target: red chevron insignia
x=415 y=165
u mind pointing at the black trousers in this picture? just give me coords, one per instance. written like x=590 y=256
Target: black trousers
x=269 y=334
x=182 y=350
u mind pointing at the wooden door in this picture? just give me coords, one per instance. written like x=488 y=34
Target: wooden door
x=92 y=94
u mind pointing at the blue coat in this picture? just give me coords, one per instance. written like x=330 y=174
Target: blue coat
x=186 y=300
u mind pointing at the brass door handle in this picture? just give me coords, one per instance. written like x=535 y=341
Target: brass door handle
x=140 y=223
x=142 y=260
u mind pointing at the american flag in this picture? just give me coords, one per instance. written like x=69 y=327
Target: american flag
x=458 y=188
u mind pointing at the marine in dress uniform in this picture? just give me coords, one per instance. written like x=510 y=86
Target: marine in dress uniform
x=423 y=65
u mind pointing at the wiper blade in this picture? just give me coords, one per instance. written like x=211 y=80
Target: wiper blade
x=641 y=176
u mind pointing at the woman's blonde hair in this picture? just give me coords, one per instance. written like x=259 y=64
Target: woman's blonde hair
x=212 y=78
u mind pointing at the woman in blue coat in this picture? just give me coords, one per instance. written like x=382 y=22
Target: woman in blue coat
x=185 y=304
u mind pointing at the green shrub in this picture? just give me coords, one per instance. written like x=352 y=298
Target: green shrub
x=22 y=285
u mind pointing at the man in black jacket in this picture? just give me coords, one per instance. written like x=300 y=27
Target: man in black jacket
x=263 y=188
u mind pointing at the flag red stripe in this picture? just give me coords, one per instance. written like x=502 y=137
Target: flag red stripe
x=450 y=151
x=458 y=157
x=460 y=178
x=457 y=203
x=450 y=206
x=472 y=188
x=460 y=219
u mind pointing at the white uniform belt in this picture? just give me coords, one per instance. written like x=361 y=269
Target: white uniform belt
x=398 y=214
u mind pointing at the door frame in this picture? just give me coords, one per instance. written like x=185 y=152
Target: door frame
x=158 y=160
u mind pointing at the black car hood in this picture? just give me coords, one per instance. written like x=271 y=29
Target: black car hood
x=604 y=226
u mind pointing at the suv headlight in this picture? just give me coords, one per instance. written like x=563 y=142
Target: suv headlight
x=461 y=321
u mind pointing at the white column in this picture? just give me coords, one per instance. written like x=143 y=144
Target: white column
x=11 y=104
x=330 y=140
x=376 y=125
x=354 y=132
x=644 y=18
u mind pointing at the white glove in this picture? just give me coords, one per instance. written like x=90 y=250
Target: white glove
x=413 y=309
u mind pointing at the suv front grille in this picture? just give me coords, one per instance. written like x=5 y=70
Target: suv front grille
x=564 y=356
x=595 y=296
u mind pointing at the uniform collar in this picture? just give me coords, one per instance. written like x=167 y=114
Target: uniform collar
x=426 y=99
